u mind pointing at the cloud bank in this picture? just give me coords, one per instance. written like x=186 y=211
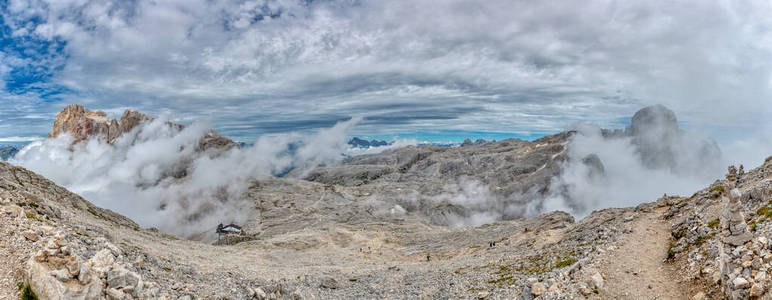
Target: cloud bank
x=261 y=67
x=155 y=176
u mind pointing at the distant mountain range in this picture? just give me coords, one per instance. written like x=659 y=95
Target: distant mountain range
x=360 y=143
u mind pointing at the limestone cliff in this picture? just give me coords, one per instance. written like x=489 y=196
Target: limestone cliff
x=82 y=124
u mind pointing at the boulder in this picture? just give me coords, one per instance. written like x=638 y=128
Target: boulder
x=52 y=287
x=740 y=283
x=102 y=261
x=597 y=280
x=30 y=235
x=329 y=283
x=120 y=278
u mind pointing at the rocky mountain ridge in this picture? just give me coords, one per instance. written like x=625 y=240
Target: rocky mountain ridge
x=82 y=124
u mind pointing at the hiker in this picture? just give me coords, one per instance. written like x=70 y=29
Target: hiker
x=428 y=257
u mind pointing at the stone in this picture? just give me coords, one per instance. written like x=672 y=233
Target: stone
x=756 y=263
x=597 y=280
x=40 y=256
x=121 y=278
x=72 y=265
x=761 y=276
x=50 y=287
x=296 y=295
x=699 y=296
x=757 y=289
x=52 y=245
x=740 y=283
x=14 y=211
x=30 y=235
x=739 y=239
x=115 y=294
x=61 y=275
x=260 y=294
x=83 y=275
x=329 y=283
x=102 y=260
x=483 y=295
x=584 y=289
x=538 y=289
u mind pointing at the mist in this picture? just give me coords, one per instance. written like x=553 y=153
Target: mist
x=156 y=176
x=623 y=178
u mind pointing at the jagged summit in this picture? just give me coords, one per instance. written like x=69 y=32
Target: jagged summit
x=82 y=124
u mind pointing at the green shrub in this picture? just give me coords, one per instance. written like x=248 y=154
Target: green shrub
x=714 y=224
x=28 y=294
x=719 y=189
x=764 y=211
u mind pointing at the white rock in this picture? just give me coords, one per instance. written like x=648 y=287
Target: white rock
x=260 y=294
x=597 y=280
x=740 y=283
x=760 y=276
x=538 y=289
x=102 y=260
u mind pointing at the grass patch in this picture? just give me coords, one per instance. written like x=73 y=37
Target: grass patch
x=752 y=224
x=714 y=224
x=764 y=211
x=670 y=252
x=27 y=293
x=701 y=240
x=565 y=263
x=719 y=189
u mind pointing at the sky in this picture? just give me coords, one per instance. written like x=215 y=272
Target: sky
x=440 y=70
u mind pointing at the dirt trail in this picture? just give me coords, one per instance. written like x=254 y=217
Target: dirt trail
x=636 y=270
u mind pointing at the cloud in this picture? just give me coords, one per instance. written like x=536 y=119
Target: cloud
x=258 y=67
x=16 y=139
x=154 y=175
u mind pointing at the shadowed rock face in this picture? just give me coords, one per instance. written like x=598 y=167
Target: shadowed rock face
x=8 y=152
x=660 y=143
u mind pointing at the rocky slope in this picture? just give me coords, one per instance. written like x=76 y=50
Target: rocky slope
x=700 y=246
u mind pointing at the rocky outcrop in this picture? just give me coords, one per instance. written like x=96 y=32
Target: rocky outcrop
x=82 y=124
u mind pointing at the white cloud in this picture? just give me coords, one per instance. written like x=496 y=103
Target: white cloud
x=414 y=65
x=20 y=139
